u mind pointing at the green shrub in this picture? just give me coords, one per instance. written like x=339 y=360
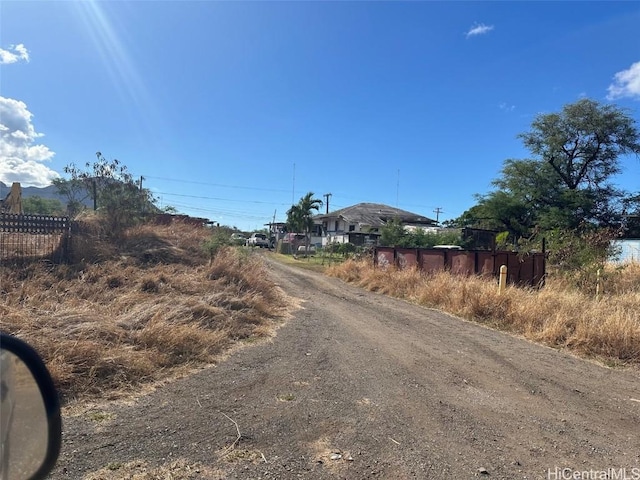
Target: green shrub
x=217 y=240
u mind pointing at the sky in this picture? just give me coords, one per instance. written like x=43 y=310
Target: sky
x=232 y=111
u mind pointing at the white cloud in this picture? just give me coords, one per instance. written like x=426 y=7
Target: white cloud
x=21 y=159
x=479 y=29
x=626 y=83
x=506 y=107
x=14 y=54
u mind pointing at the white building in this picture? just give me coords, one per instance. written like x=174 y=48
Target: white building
x=360 y=224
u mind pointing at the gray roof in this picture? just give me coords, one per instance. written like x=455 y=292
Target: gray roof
x=375 y=215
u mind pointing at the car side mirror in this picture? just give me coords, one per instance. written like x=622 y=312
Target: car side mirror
x=30 y=423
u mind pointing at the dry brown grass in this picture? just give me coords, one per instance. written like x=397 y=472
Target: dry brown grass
x=558 y=315
x=154 y=308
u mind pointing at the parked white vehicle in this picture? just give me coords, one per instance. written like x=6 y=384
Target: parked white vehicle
x=258 y=240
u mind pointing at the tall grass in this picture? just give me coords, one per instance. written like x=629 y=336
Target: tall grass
x=138 y=312
x=558 y=315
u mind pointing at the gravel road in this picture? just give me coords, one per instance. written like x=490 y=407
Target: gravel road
x=358 y=385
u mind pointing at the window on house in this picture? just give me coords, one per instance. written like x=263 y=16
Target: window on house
x=352 y=228
x=336 y=229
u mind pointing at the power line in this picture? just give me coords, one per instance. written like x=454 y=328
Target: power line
x=240 y=187
x=216 y=184
x=223 y=213
x=405 y=205
x=218 y=199
x=251 y=213
x=213 y=208
x=231 y=216
x=347 y=197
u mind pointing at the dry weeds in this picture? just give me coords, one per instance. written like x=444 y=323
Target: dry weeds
x=154 y=308
x=558 y=315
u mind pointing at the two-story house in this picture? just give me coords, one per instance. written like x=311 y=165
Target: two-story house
x=360 y=224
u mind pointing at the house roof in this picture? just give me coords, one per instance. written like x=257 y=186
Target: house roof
x=375 y=215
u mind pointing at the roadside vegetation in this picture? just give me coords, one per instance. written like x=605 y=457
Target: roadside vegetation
x=141 y=302
x=558 y=315
x=138 y=301
x=153 y=303
x=562 y=200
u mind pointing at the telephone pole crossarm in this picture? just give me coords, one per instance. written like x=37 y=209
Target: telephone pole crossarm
x=438 y=211
x=327 y=196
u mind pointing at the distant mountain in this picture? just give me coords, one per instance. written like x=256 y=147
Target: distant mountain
x=46 y=192
x=49 y=193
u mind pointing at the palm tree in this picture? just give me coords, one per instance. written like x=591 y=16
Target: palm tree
x=295 y=224
x=300 y=216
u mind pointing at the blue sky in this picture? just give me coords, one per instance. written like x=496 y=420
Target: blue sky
x=232 y=110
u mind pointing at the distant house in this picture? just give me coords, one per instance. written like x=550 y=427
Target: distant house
x=360 y=224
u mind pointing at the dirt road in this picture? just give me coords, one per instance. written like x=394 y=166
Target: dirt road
x=358 y=385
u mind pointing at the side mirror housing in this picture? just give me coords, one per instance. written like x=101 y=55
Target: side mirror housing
x=30 y=422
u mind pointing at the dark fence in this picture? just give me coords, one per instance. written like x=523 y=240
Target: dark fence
x=528 y=269
x=33 y=237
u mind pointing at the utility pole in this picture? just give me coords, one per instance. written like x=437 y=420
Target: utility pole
x=327 y=195
x=95 y=195
x=144 y=206
x=273 y=231
x=438 y=211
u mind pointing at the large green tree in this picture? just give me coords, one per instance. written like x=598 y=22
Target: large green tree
x=300 y=216
x=501 y=211
x=583 y=142
x=74 y=191
x=116 y=195
x=568 y=185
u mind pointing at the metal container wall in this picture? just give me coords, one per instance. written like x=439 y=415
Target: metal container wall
x=526 y=270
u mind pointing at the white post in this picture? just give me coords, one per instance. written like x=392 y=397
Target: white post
x=503 y=279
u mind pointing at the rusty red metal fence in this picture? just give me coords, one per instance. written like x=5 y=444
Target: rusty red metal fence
x=33 y=237
x=524 y=270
